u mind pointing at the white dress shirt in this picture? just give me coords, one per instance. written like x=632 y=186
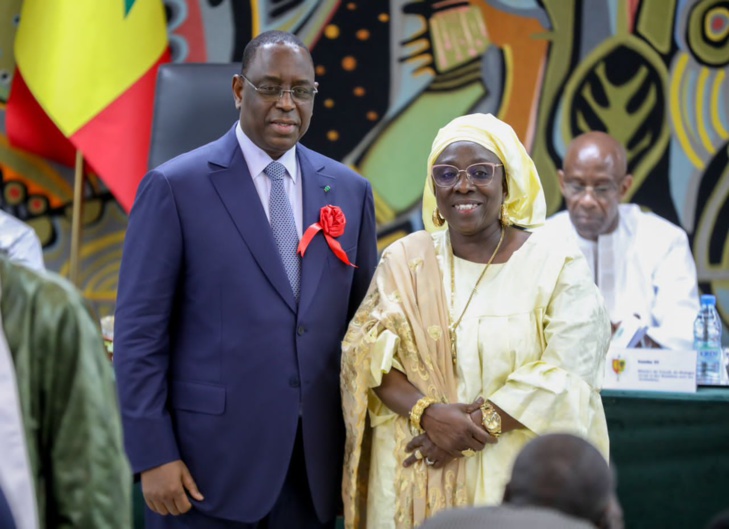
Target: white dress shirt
x=257 y=160
x=20 y=242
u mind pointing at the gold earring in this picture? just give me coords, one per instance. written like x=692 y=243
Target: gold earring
x=505 y=220
x=438 y=219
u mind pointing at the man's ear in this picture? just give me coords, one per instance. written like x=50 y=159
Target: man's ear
x=625 y=185
x=507 y=493
x=237 y=90
x=560 y=173
x=611 y=516
x=603 y=521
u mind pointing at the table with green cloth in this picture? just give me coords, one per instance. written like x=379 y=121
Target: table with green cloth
x=671 y=453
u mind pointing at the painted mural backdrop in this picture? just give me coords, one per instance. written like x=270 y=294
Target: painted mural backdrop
x=653 y=73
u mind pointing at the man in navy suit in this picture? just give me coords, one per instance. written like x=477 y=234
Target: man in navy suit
x=227 y=342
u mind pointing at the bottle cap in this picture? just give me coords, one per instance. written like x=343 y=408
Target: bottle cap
x=708 y=299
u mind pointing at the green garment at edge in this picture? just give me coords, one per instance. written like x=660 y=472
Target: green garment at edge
x=70 y=412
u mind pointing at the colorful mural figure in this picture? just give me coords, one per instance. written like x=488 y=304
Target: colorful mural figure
x=652 y=73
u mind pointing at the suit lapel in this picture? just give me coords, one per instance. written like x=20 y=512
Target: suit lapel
x=234 y=185
x=319 y=190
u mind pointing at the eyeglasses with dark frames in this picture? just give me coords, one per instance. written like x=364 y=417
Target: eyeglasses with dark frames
x=601 y=191
x=300 y=94
x=479 y=174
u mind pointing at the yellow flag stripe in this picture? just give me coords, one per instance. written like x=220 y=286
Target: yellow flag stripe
x=77 y=56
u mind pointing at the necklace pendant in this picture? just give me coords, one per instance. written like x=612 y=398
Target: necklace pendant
x=454 y=355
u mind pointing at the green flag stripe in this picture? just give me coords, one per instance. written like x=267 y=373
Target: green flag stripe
x=128 y=6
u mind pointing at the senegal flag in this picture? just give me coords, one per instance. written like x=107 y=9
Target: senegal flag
x=87 y=68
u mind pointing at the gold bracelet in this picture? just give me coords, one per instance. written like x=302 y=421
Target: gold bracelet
x=416 y=413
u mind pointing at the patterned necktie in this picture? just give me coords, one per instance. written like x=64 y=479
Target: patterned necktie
x=283 y=225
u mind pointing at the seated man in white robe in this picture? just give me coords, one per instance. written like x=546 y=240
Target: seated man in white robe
x=641 y=262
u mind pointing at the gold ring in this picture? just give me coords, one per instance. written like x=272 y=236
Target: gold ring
x=468 y=452
x=418 y=454
x=429 y=461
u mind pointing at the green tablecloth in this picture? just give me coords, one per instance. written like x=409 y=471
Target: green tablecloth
x=671 y=452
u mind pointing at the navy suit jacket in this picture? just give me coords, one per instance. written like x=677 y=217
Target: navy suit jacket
x=215 y=362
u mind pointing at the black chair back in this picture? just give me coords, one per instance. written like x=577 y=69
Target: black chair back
x=193 y=105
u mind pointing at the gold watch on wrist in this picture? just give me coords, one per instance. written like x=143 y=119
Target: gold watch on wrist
x=491 y=419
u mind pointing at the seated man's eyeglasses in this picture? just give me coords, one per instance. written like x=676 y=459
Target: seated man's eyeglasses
x=576 y=189
x=479 y=174
x=301 y=94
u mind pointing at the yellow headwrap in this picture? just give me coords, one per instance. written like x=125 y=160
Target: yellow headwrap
x=525 y=202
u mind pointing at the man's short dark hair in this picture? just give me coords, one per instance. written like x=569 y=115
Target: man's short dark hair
x=266 y=38
x=562 y=472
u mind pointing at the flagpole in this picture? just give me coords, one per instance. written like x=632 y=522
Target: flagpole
x=76 y=217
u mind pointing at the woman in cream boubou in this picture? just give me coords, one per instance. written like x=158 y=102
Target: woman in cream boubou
x=472 y=340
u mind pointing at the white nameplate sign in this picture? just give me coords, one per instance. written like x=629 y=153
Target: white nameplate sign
x=650 y=370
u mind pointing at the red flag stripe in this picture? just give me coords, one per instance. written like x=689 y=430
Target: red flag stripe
x=30 y=129
x=115 y=142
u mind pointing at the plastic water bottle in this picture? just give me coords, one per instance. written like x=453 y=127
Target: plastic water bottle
x=707 y=343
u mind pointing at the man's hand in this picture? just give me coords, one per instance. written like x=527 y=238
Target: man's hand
x=164 y=488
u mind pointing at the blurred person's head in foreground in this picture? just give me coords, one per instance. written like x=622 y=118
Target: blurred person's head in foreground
x=566 y=473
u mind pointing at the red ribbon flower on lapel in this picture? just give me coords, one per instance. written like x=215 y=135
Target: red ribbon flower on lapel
x=331 y=222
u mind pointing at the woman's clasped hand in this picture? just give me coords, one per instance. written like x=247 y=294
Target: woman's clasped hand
x=450 y=430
